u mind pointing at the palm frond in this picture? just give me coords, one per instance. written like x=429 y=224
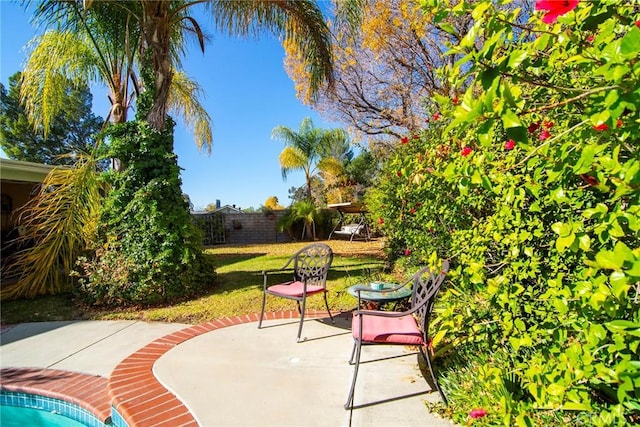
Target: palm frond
x=331 y=166
x=184 y=100
x=291 y=158
x=299 y=22
x=60 y=222
x=57 y=57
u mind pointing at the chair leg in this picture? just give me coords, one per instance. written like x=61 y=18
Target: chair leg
x=357 y=347
x=304 y=303
x=264 y=301
x=425 y=354
x=353 y=352
x=326 y=304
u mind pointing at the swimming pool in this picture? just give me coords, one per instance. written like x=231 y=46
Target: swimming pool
x=24 y=409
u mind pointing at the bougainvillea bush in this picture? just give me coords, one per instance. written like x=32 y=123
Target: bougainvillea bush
x=528 y=178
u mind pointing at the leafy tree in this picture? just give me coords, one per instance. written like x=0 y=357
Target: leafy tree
x=386 y=67
x=313 y=151
x=72 y=132
x=272 y=204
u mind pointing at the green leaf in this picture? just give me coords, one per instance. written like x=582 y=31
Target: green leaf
x=630 y=46
x=619 y=284
x=608 y=260
x=511 y=120
x=516 y=58
x=584 y=242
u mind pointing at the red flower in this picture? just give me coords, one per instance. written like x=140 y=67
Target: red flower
x=466 y=151
x=416 y=136
x=478 y=413
x=404 y=140
x=618 y=123
x=589 y=179
x=544 y=135
x=547 y=125
x=601 y=127
x=399 y=173
x=533 y=127
x=418 y=205
x=407 y=252
x=638 y=24
x=436 y=116
x=412 y=210
x=380 y=221
x=455 y=100
x=509 y=144
x=555 y=8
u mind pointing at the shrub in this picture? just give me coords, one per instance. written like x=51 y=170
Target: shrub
x=530 y=182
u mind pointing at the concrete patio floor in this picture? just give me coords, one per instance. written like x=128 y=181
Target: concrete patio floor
x=240 y=375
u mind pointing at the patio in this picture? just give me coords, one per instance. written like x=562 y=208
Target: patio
x=227 y=372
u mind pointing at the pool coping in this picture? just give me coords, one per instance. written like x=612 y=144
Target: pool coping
x=89 y=392
x=132 y=393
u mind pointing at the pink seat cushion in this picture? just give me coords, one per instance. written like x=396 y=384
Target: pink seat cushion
x=390 y=330
x=294 y=289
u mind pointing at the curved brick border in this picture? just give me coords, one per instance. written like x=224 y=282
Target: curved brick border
x=87 y=391
x=139 y=397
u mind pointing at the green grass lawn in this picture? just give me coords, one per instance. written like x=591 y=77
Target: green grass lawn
x=238 y=289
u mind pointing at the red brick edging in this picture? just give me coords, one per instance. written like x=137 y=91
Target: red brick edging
x=87 y=391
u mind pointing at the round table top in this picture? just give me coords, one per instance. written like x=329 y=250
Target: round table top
x=385 y=296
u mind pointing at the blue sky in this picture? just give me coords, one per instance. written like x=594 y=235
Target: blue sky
x=247 y=94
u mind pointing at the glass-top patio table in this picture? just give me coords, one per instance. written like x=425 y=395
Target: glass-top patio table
x=380 y=292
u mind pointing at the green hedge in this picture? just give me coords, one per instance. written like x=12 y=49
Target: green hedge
x=528 y=179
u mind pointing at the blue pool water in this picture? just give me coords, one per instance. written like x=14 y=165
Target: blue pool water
x=15 y=416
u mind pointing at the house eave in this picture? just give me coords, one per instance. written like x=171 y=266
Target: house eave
x=19 y=171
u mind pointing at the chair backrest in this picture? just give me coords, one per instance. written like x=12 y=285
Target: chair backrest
x=426 y=285
x=312 y=263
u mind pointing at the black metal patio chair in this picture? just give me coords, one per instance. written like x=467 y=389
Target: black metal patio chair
x=410 y=327
x=310 y=268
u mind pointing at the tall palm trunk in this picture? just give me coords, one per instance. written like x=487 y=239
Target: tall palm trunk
x=156 y=57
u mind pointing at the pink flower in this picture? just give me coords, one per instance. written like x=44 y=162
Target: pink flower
x=601 y=127
x=404 y=140
x=544 y=135
x=478 y=413
x=466 y=151
x=509 y=144
x=436 y=116
x=407 y=252
x=555 y=8
x=590 y=38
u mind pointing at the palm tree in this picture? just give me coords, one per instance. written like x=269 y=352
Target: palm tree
x=312 y=150
x=102 y=45
x=111 y=40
